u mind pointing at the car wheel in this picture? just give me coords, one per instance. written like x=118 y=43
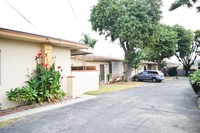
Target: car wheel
x=154 y=80
x=136 y=79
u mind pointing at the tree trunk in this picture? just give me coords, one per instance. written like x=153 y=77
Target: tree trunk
x=128 y=73
x=187 y=70
x=159 y=64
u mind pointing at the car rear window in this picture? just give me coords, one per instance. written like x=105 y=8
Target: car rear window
x=155 y=72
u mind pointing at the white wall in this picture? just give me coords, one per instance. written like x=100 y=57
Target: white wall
x=117 y=68
x=17 y=59
x=82 y=81
x=63 y=59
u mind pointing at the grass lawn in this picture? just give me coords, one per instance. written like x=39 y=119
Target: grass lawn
x=114 y=87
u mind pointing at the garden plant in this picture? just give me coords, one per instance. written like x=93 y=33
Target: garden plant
x=195 y=81
x=44 y=84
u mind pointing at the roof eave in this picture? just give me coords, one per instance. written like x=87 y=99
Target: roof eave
x=29 y=37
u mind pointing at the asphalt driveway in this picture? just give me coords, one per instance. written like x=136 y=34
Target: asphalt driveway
x=168 y=107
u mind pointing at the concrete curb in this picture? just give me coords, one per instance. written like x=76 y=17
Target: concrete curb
x=46 y=108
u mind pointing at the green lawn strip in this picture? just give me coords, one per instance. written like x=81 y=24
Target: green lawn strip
x=9 y=122
x=109 y=88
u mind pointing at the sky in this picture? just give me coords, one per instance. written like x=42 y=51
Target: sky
x=56 y=18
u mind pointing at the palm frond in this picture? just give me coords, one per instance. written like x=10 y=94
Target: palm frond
x=179 y=3
x=194 y=1
x=88 y=40
x=198 y=9
x=175 y=5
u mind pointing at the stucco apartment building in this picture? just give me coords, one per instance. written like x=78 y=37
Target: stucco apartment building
x=105 y=65
x=17 y=59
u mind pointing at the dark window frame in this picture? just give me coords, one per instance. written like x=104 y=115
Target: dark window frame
x=110 y=68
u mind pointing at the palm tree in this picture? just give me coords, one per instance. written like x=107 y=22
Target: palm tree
x=188 y=3
x=88 y=40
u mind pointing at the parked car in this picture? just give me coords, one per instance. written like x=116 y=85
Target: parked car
x=153 y=75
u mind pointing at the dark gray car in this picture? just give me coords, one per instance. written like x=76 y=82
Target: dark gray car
x=153 y=75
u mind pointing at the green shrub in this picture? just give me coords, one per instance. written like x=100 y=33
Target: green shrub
x=172 y=71
x=100 y=78
x=23 y=95
x=195 y=81
x=44 y=84
x=108 y=76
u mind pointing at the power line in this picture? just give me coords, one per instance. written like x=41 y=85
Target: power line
x=20 y=13
x=75 y=15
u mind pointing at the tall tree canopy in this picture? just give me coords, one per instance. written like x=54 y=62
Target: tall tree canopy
x=186 y=48
x=132 y=22
x=188 y=3
x=165 y=47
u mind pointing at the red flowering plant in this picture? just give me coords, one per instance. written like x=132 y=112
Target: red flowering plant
x=44 y=84
x=46 y=81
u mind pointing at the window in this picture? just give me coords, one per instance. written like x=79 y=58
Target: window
x=150 y=72
x=149 y=66
x=155 y=72
x=143 y=73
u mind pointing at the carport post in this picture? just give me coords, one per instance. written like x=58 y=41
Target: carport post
x=70 y=85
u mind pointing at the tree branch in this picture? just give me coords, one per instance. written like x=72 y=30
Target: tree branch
x=122 y=45
x=194 y=59
x=179 y=59
x=127 y=45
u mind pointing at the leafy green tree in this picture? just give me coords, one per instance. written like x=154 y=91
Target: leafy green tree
x=188 y=3
x=131 y=22
x=88 y=40
x=165 y=47
x=137 y=61
x=186 y=48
